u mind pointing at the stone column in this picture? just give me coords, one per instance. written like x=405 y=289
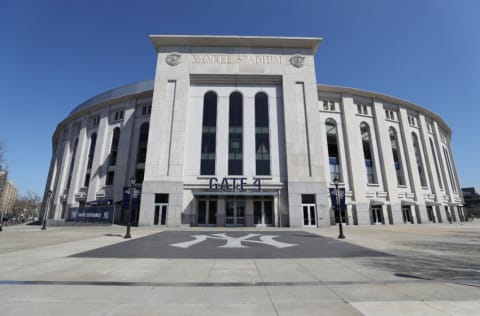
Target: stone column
x=78 y=174
x=356 y=164
x=221 y=212
x=276 y=218
x=420 y=211
x=123 y=169
x=59 y=180
x=386 y=160
x=100 y=158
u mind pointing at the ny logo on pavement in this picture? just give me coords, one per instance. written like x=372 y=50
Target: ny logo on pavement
x=235 y=242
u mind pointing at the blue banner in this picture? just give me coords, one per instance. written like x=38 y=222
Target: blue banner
x=137 y=192
x=93 y=214
x=341 y=197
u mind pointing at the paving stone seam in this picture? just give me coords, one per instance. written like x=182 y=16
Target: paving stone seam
x=209 y=284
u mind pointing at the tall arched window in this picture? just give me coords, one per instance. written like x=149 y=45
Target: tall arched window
x=235 y=134
x=209 y=134
x=397 y=159
x=418 y=157
x=113 y=156
x=450 y=170
x=114 y=147
x=262 y=135
x=368 y=153
x=91 y=152
x=333 y=152
x=142 y=152
x=436 y=164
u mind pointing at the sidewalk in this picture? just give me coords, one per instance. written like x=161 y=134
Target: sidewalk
x=435 y=271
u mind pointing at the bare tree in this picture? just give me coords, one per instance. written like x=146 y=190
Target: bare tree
x=29 y=204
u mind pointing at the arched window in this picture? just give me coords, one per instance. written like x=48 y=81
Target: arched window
x=450 y=170
x=418 y=157
x=235 y=134
x=368 y=153
x=142 y=152
x=262 y=135
x=333 y=152
x=209 y=134
x=397 y=159
x=436 y=163
x=114 y=147
x=113 y=156
x=142 y=143
x=91 y=152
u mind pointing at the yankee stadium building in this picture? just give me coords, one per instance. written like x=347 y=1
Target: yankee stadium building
x=235 y=131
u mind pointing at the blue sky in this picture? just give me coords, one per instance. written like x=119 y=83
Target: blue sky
x=56 y=54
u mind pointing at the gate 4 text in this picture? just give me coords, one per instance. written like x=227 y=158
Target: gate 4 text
x=233 y=184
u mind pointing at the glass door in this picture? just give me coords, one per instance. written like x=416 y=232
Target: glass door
x=207 y=213
x=407 y=215
x=263 y=212
x=376 y=215
x=309 y=218
x=431 y=217
x=160 y=215
x=235 y=213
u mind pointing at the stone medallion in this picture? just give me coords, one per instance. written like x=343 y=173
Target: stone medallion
x=173 y=59
x=297 y=60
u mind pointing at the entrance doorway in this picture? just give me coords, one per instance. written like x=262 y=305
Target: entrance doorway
x=309 y=215
x=377 y=214
x=235 y=213
x=309 y=210
x=431 y=217
x=160 y=215
x=407 y=214
x=207 y=213
x=263 y=212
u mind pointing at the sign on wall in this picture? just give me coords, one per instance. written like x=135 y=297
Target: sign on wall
x=235 y=184
x=91 y=214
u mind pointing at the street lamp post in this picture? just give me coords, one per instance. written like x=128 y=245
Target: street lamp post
x=129 y=223
x=47 y=207
x=1 y=222
x=339 y=210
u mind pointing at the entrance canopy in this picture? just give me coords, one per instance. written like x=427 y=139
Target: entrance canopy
x=432 y=203
x=379 y=202
x=408 y=202
x=234 y=193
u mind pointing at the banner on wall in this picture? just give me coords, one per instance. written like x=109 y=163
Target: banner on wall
x=91 y=214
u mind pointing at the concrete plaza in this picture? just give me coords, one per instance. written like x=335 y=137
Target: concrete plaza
x=431 y=269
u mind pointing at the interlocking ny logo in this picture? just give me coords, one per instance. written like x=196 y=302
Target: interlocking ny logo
x=235 y=242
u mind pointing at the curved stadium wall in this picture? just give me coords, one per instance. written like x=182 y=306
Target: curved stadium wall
x=229 y=152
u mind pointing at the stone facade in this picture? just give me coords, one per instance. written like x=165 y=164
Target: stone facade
x=391 y=157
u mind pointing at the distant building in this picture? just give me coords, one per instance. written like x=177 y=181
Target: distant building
x=472 y=201
x=3 y=180
x=236 y=131
x=8 y=198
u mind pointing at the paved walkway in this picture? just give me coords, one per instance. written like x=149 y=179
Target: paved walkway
x=432 y=270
